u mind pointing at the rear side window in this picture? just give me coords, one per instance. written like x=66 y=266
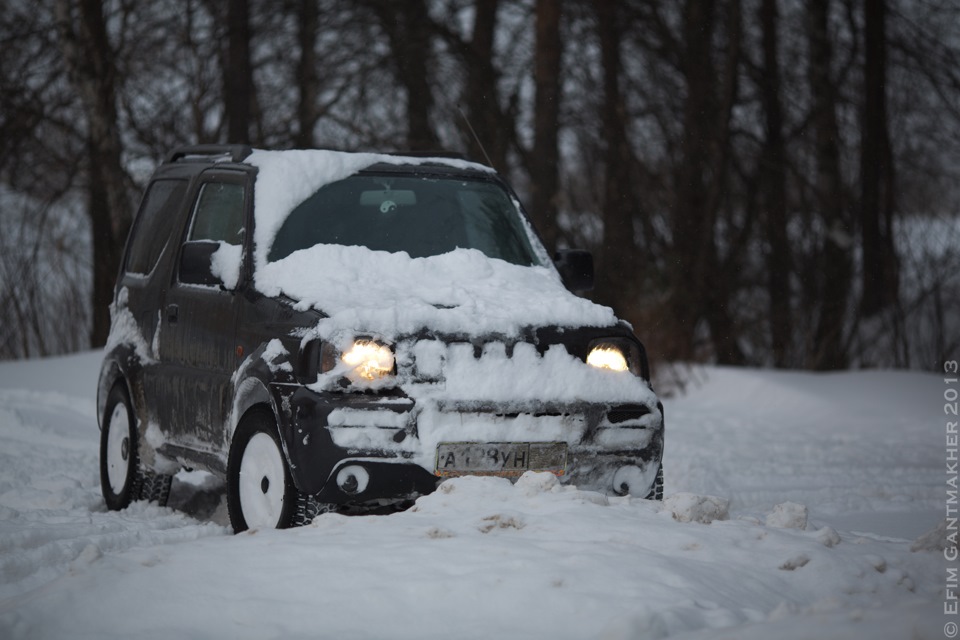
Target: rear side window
x=151 y=231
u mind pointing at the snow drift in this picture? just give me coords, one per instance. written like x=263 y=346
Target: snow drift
x=792 y=503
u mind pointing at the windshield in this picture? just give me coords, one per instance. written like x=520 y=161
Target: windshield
x=420 y=215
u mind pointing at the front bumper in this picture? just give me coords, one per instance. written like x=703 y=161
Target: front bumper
x=353 y=448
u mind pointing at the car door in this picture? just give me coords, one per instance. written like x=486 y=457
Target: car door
x=196 y=344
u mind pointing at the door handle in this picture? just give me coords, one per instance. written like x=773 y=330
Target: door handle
x=173 y=313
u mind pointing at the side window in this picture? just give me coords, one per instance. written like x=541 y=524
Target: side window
x=213 y=253
x=218 y=215
x=153 y=225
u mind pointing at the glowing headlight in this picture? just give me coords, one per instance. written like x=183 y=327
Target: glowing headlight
x=607 y=356
x=368 y=360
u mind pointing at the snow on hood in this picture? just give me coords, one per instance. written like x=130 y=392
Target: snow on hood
x=391 y=294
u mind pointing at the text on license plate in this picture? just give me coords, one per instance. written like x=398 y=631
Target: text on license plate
x=500 y=458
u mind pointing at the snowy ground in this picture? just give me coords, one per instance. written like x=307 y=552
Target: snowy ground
x=481 y=558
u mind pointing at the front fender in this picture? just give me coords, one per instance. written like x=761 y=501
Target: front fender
x=121 y=363
x=265 y=366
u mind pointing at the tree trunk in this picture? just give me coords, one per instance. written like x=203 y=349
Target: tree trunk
x=773 y=185
x=544 y=161
x=307 y=81
x=482 y=92
x=238 y=74
x=720 y=279
x=615 y=263
x=877 y=201
x=408 y=27
x=829 y=350
x=90 y=63
x=692 y=224
x=699 y=286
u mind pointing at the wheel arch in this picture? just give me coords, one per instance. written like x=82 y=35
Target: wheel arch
x=252 y=391
x=251 y=395
x=121 y=365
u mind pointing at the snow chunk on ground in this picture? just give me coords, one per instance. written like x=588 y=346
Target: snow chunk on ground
x=788 y=515
x=828 y=537
x=795 y=562
x=532 y=483
x=689 y=507
x=940 y=538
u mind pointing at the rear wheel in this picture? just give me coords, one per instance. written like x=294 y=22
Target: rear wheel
x=260 y=491
x=122 y=479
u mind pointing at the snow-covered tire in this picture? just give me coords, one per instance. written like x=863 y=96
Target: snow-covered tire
x=656 y=492
x=308 y=508
x=260 y=491
x=120 y=477
x=155 y=487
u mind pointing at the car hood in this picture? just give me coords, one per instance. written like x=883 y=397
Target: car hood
x=463 y=292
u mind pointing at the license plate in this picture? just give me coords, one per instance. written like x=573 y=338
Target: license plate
x=500 y=458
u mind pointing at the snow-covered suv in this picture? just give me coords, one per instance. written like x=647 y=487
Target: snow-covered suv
x=329 y=330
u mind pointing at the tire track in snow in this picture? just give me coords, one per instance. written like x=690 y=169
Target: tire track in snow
x=49 y=480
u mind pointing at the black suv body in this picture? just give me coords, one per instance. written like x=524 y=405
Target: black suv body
x=328 y=330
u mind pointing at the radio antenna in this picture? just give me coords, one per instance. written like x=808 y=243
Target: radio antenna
x=474 y=134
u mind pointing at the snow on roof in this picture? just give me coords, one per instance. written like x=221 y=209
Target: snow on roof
x=287 y=178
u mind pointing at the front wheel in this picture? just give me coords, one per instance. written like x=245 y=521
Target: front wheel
x=656 y=491
x=260 y=491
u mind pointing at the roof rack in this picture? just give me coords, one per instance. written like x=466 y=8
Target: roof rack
x=453 y=155
x=233 y=152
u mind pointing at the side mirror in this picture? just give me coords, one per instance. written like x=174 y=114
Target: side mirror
x=195 y=263
x=576 y=269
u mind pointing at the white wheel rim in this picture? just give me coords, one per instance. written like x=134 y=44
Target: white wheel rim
x=261 y=482
x=118 y=449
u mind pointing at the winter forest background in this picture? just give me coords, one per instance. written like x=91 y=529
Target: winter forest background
x=764 y=182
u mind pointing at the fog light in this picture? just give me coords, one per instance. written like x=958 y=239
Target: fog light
x=353 y=479
x=631 y=480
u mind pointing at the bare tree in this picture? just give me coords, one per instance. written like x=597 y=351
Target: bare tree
x=828 y=349
x=543 y=162
x=773 y=188
x=238 y=87
x=482 y=97
x=90 y=60
x=617 y=264
x=308 y=15
x=877 y=189
x=730 y=163
x=699 y=288
x=407 y=26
